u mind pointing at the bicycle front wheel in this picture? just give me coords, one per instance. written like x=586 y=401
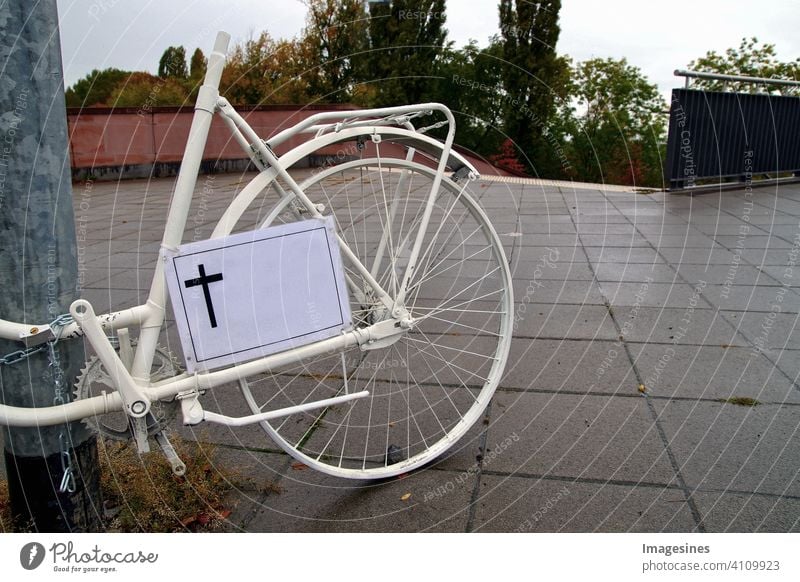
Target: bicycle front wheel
x=428 y=388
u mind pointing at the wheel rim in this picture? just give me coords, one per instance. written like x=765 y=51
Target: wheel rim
x=429 y=388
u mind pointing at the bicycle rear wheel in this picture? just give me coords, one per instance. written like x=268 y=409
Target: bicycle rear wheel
x=433 y=384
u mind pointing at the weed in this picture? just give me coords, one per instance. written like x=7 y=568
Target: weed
x=141 y=494
x=5 y=508
x=740 y=401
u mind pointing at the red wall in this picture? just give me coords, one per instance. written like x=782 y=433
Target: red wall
x=105 y=137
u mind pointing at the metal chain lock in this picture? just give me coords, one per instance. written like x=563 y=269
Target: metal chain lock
x=68 y=484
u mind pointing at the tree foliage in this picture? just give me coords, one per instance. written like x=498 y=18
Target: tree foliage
x=95 y=88
x=535 y=77
x=406 y=42
x=750 y=59
x=263 y=70
x=334 y=37
x=173 y=63
x=508 y=159
x=197 y=65
x=619 y=125
x=145 y=91
x=471 y=85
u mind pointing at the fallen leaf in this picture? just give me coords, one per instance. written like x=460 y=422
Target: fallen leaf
x=298 y=466
x=405 y=497
x=642 y=389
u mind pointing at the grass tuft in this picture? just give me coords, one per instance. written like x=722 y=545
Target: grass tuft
x=740 y=401
x=141 y=494
x=5 y=508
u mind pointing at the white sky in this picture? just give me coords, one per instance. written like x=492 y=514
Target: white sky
x=658 y=37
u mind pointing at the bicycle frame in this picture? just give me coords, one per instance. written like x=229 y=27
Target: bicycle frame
x=135 y=392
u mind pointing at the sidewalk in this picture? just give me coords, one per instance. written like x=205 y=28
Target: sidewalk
x=682 y=295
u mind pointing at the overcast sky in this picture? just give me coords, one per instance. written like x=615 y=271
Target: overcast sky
x=658 y=37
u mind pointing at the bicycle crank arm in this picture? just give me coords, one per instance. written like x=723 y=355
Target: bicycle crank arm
x=136 y=402
x=193 y=412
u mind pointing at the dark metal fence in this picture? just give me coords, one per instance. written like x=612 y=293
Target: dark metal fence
x=731 y=135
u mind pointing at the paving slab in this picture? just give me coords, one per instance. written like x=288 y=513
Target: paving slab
x=580 y=436
x=747 y=513
x=730 y=448
x=711 y=372
x=686 y=256
x=635 y=272
x=677 y=326
x=614 y=240
x=425 y=501
x=546 y=320
x=784 y=329
x=622 y=255
x=650 y=294
x=753 y=298
x=570 y=366
x=554 y=291
x=513 y=504
x=540 y=269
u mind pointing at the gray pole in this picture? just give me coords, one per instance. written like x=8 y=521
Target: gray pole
x=38 y=271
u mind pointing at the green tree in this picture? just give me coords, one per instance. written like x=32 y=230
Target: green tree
x=619 y=127
x=145 y=91
x=95 y=88
x=471 y=85
x=262 y=70
x=173 y=63
x=197 y=65
x=334 y=36
x=535 y=79
x=750 y=59
x=407 y=39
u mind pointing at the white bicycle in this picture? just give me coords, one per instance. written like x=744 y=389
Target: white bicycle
x=427 y=282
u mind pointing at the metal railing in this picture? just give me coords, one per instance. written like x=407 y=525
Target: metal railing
x=733 y=78
x=717 y=136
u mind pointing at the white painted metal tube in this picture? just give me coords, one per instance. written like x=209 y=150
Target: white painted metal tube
x=237 y=135
x=136 y=401
x=426 y=215
x=281 y=412
x=166 y=390
x=54 y=415
x=735 y=78
x=134 y=316
x=382 y=112
x=181 y=202
x=212 y=379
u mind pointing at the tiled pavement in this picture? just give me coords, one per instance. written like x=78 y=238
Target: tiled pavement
x=653 y=316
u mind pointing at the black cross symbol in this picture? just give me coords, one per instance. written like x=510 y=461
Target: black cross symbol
x=204 y=281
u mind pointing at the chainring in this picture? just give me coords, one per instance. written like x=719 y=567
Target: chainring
x=93 y=380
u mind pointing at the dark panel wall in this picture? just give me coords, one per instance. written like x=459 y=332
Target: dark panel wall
x=725 y=135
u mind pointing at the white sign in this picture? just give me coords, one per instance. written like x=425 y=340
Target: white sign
x=256 y=293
